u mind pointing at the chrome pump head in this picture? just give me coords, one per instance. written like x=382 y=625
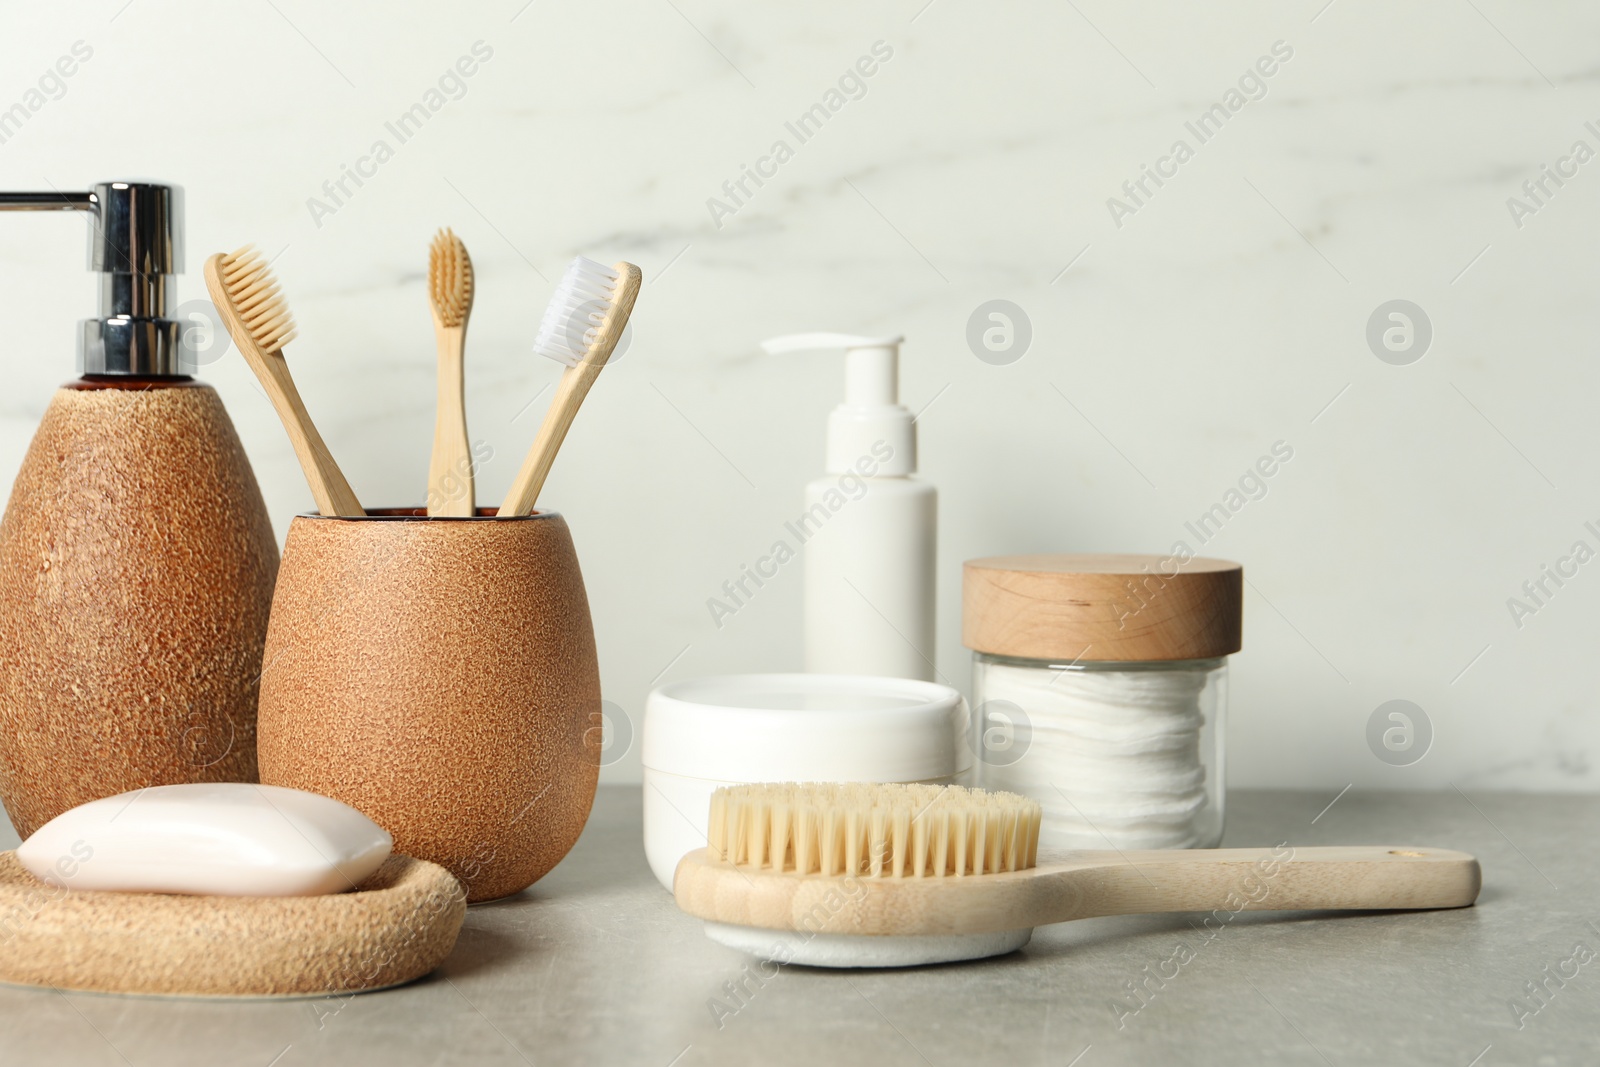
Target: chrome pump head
x=136 y=245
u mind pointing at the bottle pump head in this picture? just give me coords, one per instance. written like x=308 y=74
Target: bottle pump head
x=136 y=245
x=871 y=412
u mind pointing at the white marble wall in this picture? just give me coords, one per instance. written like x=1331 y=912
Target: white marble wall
x=1173 y=341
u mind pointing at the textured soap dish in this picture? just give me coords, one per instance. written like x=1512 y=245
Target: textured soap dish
x=396 y=926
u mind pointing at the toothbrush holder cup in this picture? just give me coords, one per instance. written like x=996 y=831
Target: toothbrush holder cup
x=438 y=674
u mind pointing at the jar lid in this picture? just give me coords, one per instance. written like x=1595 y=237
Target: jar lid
x=1102 y=607
x=805 y=727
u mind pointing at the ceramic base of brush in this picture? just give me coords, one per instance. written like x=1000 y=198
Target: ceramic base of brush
x=855 y=951
x=439 y=675
x=395 y=927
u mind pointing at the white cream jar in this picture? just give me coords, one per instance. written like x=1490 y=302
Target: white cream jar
x=733 y=729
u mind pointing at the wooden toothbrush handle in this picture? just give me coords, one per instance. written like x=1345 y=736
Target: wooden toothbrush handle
x=574 y=386
x=451 y=489
x=1283 y=878
x=328 y=486
x=575 y=383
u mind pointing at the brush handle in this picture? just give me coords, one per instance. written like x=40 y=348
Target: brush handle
x=575 y=383
x=1254 y=879
x=450 y=476
x=1082 y=885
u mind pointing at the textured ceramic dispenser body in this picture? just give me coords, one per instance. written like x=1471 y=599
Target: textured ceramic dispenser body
x=136 y=572
x=439 y=675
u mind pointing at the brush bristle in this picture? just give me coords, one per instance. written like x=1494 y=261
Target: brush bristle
x=877 y=831
x=253 y=291
x=572 y=321
x=450 y=278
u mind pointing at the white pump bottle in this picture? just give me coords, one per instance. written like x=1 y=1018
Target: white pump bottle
x=868 y=532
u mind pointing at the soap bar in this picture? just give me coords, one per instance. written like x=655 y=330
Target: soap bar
x=218 y=838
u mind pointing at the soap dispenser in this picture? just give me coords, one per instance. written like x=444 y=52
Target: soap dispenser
x=868 y=531
x=136 y=557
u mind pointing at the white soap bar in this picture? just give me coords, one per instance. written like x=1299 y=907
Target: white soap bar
x=222 y=838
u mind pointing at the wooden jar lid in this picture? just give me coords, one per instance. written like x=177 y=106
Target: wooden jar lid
x=1101 y=607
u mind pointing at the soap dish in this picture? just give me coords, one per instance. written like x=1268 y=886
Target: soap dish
x=397 y=925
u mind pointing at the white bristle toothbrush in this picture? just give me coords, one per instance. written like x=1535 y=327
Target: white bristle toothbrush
x=862 y=875
x=581 y=328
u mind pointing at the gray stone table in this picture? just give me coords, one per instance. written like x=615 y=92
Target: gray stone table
x=595 y=965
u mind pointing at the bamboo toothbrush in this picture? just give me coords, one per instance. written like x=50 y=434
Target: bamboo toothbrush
x=450 y=474
x=258 y=320
x=938 y=873
x=581 y=327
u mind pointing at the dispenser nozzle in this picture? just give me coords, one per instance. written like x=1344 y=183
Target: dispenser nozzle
x=871 y=417
x=136 y=245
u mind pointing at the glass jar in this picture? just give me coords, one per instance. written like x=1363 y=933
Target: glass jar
x=1118 y=754
x=1099 y=689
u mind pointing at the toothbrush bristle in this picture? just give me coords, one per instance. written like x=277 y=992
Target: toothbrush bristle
x=873 y=830
x=571 y=323
x=450 y=278
x=256 y=299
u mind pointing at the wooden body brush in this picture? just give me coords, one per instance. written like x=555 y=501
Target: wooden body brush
x=899 y=875
x=450 y=473
x=258 y=320
x=581 y=328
